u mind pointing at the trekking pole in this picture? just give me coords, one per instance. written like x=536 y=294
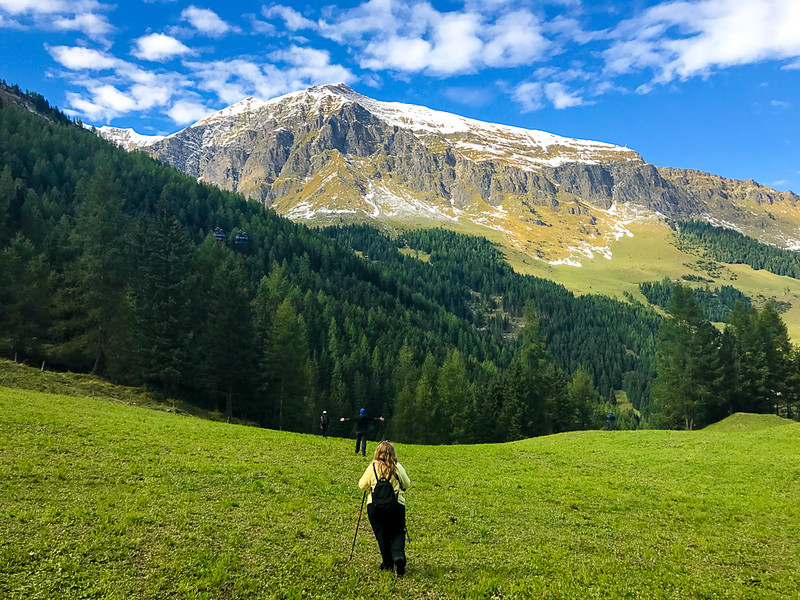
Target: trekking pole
x=364 y=497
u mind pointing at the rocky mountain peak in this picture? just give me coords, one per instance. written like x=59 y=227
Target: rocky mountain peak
x=329 y=154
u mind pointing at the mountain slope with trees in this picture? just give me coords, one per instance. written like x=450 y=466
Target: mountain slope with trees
x=118 y=265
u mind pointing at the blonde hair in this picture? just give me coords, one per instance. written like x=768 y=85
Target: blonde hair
x=386 y=457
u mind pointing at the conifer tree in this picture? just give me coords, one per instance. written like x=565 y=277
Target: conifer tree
x=95 y=288
x=289 y=373
x=454 y=397
x=584 y=400
x=402 y=424
x=688 y=364
x=162 y=291
x=24 y=296
x=226 y=333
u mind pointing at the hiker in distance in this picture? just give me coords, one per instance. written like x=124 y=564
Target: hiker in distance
x=386 y=480
x=362 y=424
x=323 y=423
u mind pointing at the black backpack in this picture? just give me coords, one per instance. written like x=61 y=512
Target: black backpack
x=383 y=494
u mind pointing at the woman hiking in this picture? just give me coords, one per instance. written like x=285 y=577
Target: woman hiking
x=386 y=479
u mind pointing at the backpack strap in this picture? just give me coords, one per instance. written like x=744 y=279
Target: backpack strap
x=374 y=470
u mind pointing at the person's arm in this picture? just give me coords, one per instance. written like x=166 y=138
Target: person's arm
x=365 y=483
x=347 y=419
x=402 y=476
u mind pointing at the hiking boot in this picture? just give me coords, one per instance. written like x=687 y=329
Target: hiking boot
x=400 y=565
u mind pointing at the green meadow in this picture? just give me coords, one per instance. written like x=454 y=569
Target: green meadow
x=103 y=498
x=651 y=255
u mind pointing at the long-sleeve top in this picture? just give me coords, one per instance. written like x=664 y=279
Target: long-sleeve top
x=362 y=422
x=368 y=481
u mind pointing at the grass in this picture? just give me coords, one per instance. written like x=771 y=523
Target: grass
x=650 y=255
x=739 y=422
x=21 y=376
x=100 y=499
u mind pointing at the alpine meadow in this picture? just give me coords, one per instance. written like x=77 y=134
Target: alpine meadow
x=168 y=343
x=102 y=498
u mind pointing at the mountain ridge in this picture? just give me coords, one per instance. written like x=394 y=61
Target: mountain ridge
x=329 y=155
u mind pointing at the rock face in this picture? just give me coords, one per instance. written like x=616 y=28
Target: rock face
x=329 y=154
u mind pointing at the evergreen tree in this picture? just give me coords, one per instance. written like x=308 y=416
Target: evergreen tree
x=454 y=397
x=226 y=335
x=162 y=290
x=402 y=424
x=427 y=414
x=688 y=364
x=584 y=400
x=289 y=373
x=777 y=353
x=533 y=382
x=24 y=296
x=95 y=289
x=748 y=391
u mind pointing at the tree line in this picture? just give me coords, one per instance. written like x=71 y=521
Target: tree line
x=704 y=374
x=716 y=304
x=727 y=245
x=118 y=265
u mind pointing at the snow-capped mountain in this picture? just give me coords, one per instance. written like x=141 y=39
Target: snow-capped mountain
x=331 y=155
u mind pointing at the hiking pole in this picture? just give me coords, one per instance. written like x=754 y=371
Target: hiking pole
x=364 y=497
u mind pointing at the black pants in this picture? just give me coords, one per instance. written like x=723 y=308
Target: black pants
x=390 y=531
x=361 y=440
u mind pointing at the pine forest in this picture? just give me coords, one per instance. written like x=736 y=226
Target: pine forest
x=117 y=265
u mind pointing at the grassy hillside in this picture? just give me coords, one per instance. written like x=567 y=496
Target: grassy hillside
x=739 y=422
x=651 y=255
x=101 y=499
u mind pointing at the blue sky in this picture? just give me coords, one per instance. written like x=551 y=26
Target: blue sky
x=706 y=84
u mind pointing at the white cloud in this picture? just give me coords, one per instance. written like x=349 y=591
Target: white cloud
x=313 y=66
x=113 y=99
x=149 y=96
x=780 y=104
x=469 y=96
x=77 y=58
x=682 y=39
x=184 y=112
x=529 y=96
x=293 y=19
x=453 y=47
x=159 y=47
x=206 y=21
x=107 y=102
x=34 y=6
x=415 y=37
x=292 y=69
x=560 y=96
x=374 y=16
x=80 y=106
x=516 y=39
x=92 y=25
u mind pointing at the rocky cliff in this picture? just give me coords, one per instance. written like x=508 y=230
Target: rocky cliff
x=329 y=154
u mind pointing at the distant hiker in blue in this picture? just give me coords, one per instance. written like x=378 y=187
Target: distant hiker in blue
x=362 y=424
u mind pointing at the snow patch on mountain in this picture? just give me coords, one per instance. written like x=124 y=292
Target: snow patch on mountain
x=477 y=139
x=125 y=138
